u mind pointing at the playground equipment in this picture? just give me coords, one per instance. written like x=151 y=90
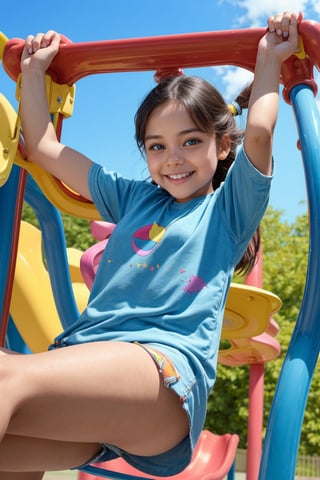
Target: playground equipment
x=168 y=56
x=212 y=459
x=32 y=296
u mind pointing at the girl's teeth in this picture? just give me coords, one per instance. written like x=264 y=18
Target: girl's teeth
x=178 y=177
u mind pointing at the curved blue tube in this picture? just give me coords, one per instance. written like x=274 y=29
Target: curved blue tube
x=286 y=417
x=14 y=339
x=8 y=193
x=55 y=252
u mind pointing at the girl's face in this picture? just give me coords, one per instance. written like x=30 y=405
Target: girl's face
x=181 y=158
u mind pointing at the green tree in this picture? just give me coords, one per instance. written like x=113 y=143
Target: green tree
x=77 y=230
x=285 y=254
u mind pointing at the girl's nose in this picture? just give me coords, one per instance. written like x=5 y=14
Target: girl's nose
x=175 y=157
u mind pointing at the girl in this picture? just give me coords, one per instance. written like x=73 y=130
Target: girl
x=132 y=376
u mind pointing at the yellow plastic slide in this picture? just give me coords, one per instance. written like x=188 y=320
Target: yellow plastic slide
x=32 y=306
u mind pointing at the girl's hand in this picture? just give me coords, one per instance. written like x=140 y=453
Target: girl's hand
x=281 y=39
x=40 y=50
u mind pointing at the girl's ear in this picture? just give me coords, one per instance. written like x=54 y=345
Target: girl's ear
x=224 y=147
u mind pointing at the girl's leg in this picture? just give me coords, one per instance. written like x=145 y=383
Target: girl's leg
x=21 y=476
x=86 y=394
x=22 y=454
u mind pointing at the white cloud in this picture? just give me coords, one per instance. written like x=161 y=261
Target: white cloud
x=316 y=6
x=256 y=13
x=233 y=80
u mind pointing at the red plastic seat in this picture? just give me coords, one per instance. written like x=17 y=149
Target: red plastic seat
x=212 y=459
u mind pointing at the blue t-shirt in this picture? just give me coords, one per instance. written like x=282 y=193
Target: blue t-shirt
x=165 y=273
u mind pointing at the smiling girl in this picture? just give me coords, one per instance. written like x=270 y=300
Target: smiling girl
x=132 y=376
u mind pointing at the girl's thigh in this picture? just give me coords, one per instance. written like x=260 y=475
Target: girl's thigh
x=99 y=392
x=34 y=456
x=21 y=476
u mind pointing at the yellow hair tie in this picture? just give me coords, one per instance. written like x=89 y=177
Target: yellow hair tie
x=235 y=108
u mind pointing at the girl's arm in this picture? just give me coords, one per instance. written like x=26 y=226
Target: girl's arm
x=278 y=44
x=42 y=145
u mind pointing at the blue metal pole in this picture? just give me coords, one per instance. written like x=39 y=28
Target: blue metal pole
x=55 y=252
x=8 y=193
x=231 y=473
x=286 y=417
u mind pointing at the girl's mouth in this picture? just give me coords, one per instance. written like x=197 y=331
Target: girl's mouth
x=176 y=177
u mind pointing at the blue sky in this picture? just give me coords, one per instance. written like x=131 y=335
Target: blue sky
x=102 y=123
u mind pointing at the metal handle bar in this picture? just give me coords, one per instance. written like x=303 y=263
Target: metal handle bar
x=168 y=54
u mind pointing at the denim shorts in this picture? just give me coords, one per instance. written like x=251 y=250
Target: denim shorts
x=177 y=375
x=169 y=463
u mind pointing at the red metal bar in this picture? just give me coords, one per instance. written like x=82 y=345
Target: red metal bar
x=256 y=395
x=237 y=47
x=169 y=54
x=255 y=421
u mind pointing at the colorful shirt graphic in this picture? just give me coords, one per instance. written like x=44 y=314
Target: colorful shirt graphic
x=147 y=239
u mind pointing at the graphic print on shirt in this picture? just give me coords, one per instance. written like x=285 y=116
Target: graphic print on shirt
x=195 y=284
x=146 y=240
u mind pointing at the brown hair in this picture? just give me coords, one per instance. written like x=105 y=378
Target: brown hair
x=211 y=114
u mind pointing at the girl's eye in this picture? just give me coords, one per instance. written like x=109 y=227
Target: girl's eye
x=156 y=147
x=192 y=141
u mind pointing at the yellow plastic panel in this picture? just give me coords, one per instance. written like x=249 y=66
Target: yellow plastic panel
x=56 y=195
x=32 y=306
x=246 y=351
x=248 y=311
x=3 y=41
x=9 y=134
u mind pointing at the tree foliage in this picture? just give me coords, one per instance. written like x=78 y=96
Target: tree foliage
x=77 y=230
x=285 y=255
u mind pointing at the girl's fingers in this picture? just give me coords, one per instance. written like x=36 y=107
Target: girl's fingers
x=41 y=40
x=280 y=24
x=35 y=43
x=28 y=44
x=50 y=38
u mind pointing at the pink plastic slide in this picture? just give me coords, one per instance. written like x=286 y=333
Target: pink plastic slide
x=212 y=459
